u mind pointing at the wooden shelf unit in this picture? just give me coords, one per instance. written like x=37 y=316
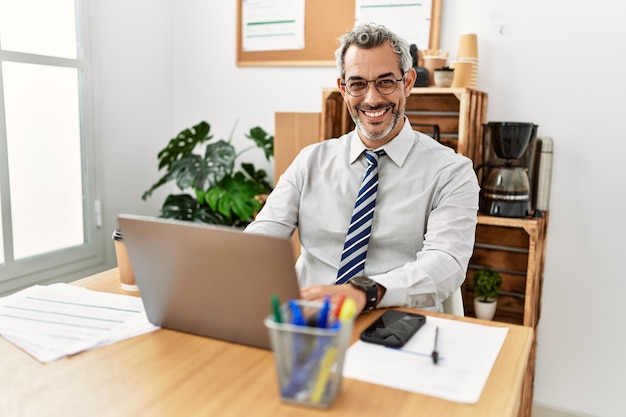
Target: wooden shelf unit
x=514 y=247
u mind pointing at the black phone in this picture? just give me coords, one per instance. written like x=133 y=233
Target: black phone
x=393 y=328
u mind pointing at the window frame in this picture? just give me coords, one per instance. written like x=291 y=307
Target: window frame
x=59 y=265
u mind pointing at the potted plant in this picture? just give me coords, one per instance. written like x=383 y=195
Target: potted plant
x=486 y=284
x=444 y=76
x=219 y=193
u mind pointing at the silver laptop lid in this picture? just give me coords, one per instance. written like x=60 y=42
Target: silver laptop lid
x=212 y=281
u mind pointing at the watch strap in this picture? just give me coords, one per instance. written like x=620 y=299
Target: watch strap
x=370 y=289
x=371 y=297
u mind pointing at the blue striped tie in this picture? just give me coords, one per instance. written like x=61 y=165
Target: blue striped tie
x=357 y=238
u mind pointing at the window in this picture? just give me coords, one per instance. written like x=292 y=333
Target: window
x=47 y=208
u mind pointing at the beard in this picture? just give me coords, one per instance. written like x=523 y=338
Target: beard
x=375 y=134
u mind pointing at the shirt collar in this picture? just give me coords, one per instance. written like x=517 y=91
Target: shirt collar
x=396 y=149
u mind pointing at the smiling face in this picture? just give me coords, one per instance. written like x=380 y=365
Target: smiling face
x=378 y=117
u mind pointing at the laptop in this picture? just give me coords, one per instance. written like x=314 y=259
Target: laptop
x=213 y=281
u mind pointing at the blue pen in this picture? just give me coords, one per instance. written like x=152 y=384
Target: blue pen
x=297 y=319
x=296 y=314
x=322 y=320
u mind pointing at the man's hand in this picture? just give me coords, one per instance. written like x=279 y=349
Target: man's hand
x=319 y=292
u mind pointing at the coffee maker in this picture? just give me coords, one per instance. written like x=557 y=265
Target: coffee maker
x=508 y=155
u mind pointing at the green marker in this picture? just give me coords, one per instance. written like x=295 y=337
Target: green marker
x=278 y=317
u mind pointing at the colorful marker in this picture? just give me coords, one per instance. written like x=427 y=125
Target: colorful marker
x=278 y=317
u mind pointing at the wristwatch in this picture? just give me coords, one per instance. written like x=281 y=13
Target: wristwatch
x=369 y=287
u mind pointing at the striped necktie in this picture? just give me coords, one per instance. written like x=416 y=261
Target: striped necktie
x=357 y=238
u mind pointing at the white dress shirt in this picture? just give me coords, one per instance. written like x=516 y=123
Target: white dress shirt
x=424 y=222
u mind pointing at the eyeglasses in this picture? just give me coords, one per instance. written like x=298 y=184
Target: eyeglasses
x=384 y=85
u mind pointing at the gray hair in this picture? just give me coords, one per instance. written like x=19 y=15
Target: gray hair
x=369 y=36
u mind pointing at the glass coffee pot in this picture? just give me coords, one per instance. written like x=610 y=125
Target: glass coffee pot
x=505 y=187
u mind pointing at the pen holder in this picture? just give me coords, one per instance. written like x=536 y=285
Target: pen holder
x=309 y=359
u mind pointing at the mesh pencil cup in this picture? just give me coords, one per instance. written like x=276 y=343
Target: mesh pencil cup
x=309 y=359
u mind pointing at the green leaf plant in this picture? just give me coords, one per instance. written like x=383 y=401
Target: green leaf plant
x=220 y=194
x=486 y=284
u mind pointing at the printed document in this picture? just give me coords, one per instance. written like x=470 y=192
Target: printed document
x=409 y=19
x=53 y=321
x=467 y=353
x=272 y=25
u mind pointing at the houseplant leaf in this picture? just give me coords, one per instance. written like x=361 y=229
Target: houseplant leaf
x=200 y=173
x=262 y=140
x=187 y=171
x=220 y=158
x=180 y=206
x=234 y=195
x=182 y=145
x=185 y=207
x=260 y=178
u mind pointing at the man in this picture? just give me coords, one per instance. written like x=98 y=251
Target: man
x=422 y=195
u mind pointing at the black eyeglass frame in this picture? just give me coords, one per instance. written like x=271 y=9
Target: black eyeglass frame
x=367 y=85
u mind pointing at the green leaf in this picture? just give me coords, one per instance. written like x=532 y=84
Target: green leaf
x=234 y=196
x=487 y=283
x=206 y=215
x=184 y=207
x=156 y=185
x=245 y=209
x=262 y=140
x=203 y=173
x=212 y=197
x=220 y=160
x=259 y=178
x=180 y=207
x=183 y=144
x=200 y=196
x=185 y=170
x=225 y=203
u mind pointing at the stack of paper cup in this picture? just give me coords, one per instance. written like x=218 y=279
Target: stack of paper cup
x=462 y=74
x=468 y=52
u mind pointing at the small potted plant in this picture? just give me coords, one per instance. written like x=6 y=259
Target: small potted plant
x=486 y=284
x=444 y=76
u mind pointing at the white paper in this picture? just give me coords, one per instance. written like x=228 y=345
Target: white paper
x=272 y=25
x=408 y=19
x=467 y=353
x=53 y=321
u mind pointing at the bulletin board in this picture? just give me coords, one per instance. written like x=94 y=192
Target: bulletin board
x=325 y=22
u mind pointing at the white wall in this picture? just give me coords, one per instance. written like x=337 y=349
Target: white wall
x=132 y=47
x=166 y=65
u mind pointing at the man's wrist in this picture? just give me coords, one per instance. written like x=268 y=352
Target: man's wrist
x=371 y=290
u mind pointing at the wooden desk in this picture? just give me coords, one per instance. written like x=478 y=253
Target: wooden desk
x=168 y=373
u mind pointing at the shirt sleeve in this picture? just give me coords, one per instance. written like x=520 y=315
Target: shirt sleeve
x=279 y=215
x=440 y=266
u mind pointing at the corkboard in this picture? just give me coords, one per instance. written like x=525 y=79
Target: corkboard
x=325 y=22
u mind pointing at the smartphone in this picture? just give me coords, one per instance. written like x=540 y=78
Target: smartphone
x=394 y=328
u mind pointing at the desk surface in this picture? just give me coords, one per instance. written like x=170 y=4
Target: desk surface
x=169 y=373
